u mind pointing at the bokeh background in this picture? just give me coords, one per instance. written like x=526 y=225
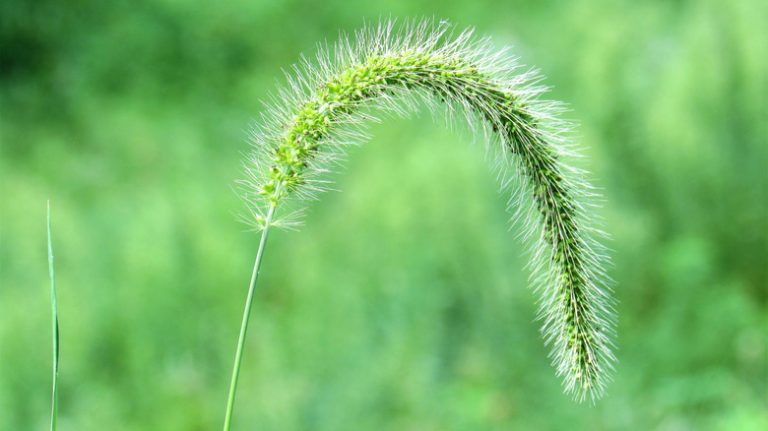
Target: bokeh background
x=403 y=303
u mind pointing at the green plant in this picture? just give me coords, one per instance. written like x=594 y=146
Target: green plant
x=55 y=327
x=326 y=103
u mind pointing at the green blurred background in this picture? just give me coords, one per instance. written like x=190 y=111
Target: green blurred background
x=403 y=303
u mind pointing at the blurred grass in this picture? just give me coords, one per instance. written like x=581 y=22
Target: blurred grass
x=403 y=303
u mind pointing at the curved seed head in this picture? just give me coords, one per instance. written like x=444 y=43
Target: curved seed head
x=386 y=67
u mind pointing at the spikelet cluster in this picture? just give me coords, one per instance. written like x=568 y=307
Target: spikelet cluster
x=389 y=67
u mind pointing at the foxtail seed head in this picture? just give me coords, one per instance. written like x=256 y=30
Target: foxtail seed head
x=385 y=68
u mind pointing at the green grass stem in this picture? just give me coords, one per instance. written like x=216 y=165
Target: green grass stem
x=55 y=328
x=244 y=323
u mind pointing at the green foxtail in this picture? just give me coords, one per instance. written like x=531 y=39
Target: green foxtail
x=388 y=67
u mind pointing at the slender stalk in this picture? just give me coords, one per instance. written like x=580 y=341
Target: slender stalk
x=55 y=328
x=246 y=317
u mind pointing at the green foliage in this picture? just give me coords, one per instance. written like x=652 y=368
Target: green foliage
x=402 y=303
